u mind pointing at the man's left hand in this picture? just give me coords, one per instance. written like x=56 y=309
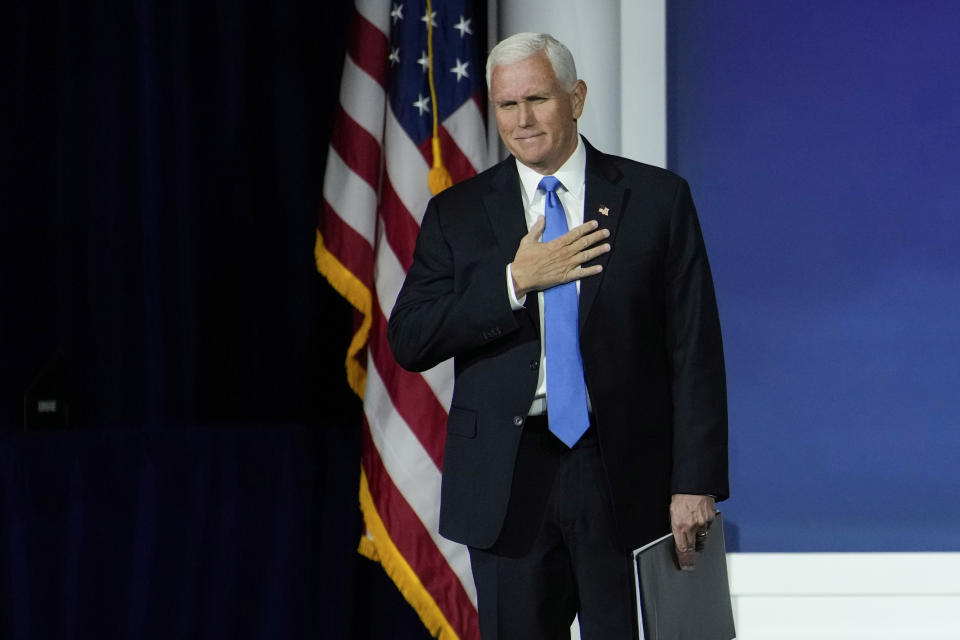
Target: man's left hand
x=690 y=517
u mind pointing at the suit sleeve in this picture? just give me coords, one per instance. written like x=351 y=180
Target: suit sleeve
x=453 y=299
x=696 y=351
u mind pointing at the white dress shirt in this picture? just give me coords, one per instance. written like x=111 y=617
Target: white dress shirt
x=572 y=176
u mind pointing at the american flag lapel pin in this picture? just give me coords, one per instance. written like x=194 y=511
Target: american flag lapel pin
x=604 y=211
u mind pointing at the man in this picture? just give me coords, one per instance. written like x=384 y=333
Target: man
x=589 y=408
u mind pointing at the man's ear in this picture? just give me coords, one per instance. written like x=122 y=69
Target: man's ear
x=578 y=95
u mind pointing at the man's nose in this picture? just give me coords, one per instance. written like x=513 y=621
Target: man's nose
x=525 y=115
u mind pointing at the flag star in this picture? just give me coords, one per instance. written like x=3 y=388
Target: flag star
x=396 y=13
x=432 y=18
x=424 y=61
x=460 y=70
x=463 y=27
x=422 y=104
x=394 y=56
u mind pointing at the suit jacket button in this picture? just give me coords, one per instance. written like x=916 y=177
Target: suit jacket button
x=534 y=365
x=517 y=421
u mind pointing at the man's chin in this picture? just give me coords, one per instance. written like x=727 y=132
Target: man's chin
x=532 y=160
x=532 y=150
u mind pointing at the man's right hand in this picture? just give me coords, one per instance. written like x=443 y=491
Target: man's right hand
x=541 y=265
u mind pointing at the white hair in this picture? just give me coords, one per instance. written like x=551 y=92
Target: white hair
x=521 y=46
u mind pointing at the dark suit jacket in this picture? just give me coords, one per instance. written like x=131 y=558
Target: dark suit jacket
x=649 y=339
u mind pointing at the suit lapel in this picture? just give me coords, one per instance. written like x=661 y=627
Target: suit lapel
x=504 y=208
x=604 y=201
x=604 y=193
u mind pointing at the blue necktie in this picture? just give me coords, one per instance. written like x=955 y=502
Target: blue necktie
x=566 y=391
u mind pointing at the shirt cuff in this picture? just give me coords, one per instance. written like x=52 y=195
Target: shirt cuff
x=515 y=304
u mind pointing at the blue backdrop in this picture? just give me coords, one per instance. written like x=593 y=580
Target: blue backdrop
x=822 y=142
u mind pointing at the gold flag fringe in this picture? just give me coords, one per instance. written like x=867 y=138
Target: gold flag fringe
x=380 y=548
x=377 y=544
x=356 y=293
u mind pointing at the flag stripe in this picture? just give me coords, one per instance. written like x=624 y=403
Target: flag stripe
x=461 y=125
x=412 y=397
x=368 y=48
x=350 y=248
x=440 y=379
x=388 y=283
x=400 y=228
x=377 y=13
x=390 y=273
x=363 y=98
x=456 y=162
x=412 y=472
x=412 y=540
x=350 y=196
x=406 y=167
x=359 y=150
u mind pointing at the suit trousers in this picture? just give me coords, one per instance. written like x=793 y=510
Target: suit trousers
x=558 y=553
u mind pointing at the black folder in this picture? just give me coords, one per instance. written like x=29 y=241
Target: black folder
x=684 y=605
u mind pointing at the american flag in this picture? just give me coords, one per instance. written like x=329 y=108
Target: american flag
x=410 y=102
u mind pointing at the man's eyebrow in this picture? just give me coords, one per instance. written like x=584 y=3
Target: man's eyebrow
x=532 y=96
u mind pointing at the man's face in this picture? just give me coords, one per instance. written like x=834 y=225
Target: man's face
x=535 y=116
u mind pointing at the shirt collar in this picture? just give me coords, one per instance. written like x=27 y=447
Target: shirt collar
x=571 y=174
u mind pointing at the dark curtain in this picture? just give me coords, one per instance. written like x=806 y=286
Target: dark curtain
x=162 y=173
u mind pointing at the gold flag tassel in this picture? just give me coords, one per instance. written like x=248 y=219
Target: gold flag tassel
x=439 y=178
